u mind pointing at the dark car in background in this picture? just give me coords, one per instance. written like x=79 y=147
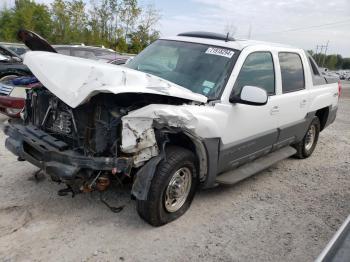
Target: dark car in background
x=92 y=52
x=19 y=49
x=11 y=64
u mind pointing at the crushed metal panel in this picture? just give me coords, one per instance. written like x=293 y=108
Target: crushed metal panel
x=138 y=138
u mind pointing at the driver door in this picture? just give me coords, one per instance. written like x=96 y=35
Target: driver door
x=251 y=130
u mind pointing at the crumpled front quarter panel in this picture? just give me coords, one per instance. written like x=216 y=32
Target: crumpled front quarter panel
x=204 y=121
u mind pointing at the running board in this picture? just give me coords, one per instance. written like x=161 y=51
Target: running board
x=233 y=176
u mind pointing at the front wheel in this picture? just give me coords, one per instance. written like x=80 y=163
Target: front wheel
x=172 y=189
x=307 y=146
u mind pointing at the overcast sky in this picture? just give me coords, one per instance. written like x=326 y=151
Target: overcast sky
x=303 y=23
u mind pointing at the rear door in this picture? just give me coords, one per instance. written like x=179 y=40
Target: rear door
x=293 y=101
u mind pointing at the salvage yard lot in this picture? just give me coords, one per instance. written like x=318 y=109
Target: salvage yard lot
x=286 y=213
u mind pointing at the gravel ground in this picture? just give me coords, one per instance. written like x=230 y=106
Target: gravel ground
x=286 y=213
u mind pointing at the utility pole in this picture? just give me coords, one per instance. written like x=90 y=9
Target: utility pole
x=316 y=53
x=319 y=57
x=325 y=54
x=250 y=31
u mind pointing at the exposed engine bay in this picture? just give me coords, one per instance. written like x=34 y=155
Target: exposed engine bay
x=95 y=129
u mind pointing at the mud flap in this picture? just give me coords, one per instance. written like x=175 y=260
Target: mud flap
x=144 y=178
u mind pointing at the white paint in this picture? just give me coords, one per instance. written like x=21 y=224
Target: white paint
x=74 y=80
x=239 y=122
x=138 y=138
x=254 y=94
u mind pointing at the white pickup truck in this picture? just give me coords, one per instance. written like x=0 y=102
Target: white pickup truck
x=195 y=110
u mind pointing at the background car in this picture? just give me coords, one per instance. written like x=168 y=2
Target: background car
x=19 y=49
x=95 y=53
x=13 y=87
x=11 y=67
x=13 y=94
x=11 y=64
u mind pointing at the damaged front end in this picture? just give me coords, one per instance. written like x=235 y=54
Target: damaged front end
x=88 y=146
x=84 y=128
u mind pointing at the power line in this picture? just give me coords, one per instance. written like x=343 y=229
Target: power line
x=325 y=54
x=309 y=27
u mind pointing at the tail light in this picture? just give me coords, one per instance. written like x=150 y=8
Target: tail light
x=339 y=88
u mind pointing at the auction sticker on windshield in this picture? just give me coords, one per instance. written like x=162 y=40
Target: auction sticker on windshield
x=220 y=51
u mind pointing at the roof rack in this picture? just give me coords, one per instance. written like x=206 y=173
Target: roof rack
x=208 y=35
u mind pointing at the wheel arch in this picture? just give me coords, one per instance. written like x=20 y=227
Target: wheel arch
x=322 y=115
x=206 y=152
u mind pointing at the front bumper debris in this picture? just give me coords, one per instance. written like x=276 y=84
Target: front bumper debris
x=53 y=156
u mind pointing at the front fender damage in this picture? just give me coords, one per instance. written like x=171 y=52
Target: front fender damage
x=139 y=139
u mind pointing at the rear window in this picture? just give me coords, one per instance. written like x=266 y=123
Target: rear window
x=313 y=67
x=292 y=72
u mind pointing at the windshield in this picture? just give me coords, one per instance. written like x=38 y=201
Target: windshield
x=200 y=68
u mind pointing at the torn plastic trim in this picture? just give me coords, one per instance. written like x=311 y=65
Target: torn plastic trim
x=144 y=177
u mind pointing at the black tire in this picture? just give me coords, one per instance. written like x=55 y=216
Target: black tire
x=153 y=210
x=302 y=150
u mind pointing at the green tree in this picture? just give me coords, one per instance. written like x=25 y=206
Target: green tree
x=7 y=25
x=331 y=62
x=339 y=62
x=346 y=63
x=78 y=20
x=130 y=12
x=120 y=24
x=25 y=14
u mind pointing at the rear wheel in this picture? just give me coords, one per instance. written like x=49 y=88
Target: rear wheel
x=307 y=146
x=172 y=189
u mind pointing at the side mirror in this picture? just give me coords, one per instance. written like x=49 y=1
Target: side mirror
x=251 y=95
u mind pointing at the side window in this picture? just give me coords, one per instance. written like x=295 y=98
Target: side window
x=292 y=72
x=317 y=79
x=313 y=67
x=257 y=70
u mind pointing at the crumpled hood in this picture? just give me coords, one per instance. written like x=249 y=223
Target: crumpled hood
x=74 y=80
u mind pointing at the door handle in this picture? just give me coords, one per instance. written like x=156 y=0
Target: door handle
x=275 y=110
x=303 y=103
